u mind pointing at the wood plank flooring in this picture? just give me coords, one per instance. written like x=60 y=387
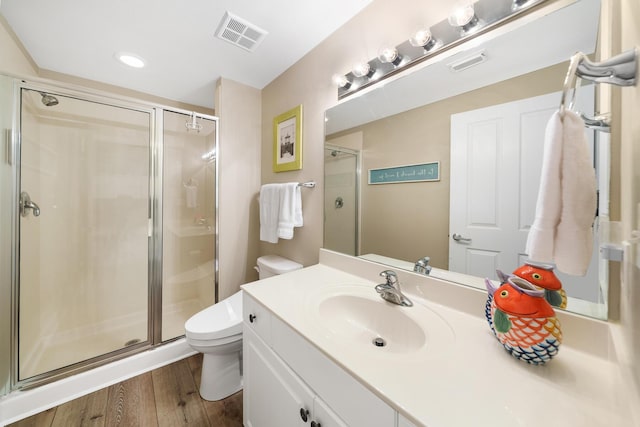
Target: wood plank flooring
x=165 y=397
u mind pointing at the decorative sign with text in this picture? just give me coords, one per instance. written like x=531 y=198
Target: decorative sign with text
x=409 y=173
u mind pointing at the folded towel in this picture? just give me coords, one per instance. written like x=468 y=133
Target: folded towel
x=562 y=230
x=269 y=212
x=280 y=211
x=290 y=214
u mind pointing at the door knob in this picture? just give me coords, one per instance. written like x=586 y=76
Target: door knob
x=26 y=203
x=459 y=238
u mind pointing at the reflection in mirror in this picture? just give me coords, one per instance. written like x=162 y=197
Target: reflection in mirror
x=485 y=126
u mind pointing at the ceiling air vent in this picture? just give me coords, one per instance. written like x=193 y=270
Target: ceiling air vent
x=239 y=32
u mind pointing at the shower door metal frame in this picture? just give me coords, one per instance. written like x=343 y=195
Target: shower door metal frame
x=154 y=257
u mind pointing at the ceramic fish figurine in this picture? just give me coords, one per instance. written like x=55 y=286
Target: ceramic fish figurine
x=523 y=321
x=542 y=276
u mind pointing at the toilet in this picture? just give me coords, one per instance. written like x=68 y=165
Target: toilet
x=216 y=332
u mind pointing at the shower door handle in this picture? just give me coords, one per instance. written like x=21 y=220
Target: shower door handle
x=26 y=203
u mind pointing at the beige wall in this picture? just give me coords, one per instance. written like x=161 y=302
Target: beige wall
x=630 y=188
x=308 y=82
x=238 y=108
x=13 y=58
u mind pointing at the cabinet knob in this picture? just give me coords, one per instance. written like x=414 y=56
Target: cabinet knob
x=304 y=414
x=252 y=318
x=315 y=424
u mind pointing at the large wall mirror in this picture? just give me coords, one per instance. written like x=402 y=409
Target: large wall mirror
x=446 y=164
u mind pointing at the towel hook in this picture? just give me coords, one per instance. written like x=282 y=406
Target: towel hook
x=570 y=83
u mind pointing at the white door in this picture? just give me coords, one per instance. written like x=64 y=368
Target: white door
x=496 y=155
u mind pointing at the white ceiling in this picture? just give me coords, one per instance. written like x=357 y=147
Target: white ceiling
x=176 y=39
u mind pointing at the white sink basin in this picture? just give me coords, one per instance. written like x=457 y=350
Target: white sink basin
x=363 y=320
x=357 y=316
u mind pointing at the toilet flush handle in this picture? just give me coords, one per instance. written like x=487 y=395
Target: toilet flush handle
x=252 y=318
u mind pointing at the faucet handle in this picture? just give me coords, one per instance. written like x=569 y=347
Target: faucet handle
x=390 y=276
x=422 y=266
x=423 y=261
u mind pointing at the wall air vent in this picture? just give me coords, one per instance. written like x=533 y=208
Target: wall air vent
x=468 y=62
x=239 y=32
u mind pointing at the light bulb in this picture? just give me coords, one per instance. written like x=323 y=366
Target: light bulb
x=462 y=14
x=361 y=69
x=420 y=37
x=341 y=80
x=389 y=55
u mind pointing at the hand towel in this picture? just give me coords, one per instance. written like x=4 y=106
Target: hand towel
x=269 y=212
x=191 y=195
x=290 y=215
x=562 y=230
x=540 y=241
x=574 y=234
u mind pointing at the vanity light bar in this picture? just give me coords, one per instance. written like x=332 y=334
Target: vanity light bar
x=489 y=14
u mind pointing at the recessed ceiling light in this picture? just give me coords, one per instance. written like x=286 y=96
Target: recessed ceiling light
x=130 y=59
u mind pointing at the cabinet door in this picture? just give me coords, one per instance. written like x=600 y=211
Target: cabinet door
x=323 y=416
x=256 y=317
x=273 y=395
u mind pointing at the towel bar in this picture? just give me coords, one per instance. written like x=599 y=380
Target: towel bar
x=621 y=70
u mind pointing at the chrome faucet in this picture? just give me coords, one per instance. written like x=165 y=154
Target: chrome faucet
x=422 y=266
x=390 y=291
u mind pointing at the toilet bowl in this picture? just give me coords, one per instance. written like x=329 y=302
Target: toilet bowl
x=216 y=332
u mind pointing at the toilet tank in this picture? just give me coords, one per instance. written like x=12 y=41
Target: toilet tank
x=272 y=265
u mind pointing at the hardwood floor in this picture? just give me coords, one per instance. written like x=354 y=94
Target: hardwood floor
x=165 y=397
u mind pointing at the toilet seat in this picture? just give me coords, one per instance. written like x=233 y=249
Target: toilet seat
x=221 y=320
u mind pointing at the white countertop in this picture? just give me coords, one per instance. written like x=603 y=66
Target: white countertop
x=462 y=376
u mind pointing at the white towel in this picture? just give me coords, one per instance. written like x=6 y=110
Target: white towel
x=562 y=230
x=574 y=236
x=269 y=212
x=280 y=211
x=192 y=195
x=290 y=214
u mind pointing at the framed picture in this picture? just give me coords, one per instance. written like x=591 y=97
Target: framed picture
x=409 y=173
x=287 y=141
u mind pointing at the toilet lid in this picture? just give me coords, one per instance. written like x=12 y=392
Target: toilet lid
x=217 y=321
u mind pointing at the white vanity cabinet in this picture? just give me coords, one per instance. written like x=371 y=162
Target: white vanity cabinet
x=289 y=382
x=274 y=396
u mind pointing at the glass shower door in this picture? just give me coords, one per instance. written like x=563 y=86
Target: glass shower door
x=83 y=230
x=341 y=181
x=189 y=219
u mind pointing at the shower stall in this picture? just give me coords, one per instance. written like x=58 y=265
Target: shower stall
x=108 y=226
x=341 y=199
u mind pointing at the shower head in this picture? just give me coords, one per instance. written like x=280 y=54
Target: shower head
x=49 y=100
x=193 y=124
